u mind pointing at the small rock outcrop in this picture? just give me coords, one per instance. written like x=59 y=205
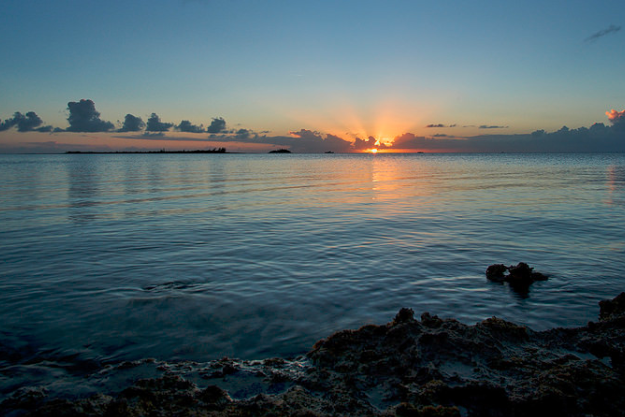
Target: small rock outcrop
x=519 y=276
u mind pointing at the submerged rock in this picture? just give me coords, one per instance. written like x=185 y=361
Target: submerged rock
x=407 y=367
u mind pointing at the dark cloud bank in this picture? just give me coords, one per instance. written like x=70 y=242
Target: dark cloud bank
x=83 y=117
x=598 y=138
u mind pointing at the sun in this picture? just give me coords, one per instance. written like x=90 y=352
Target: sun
x=374 y=150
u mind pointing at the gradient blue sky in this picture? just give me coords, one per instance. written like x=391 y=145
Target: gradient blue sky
x=346 y=68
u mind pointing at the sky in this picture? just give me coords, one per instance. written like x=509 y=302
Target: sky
x=312 y=76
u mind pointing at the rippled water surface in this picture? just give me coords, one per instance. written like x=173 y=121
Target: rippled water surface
x=187 y=256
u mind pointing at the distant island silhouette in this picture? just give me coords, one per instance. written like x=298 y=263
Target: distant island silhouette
x=215 y=150
x=280 y=151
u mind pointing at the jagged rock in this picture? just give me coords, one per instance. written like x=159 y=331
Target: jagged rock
x=212 y=394
x=404 y=315
x=612 y=308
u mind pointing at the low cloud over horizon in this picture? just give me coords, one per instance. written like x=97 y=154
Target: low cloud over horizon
x=25 y=123
x=83 y=117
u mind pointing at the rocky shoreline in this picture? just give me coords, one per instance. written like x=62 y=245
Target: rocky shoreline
x=407 y=367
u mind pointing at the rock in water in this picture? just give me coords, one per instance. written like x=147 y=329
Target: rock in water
x=496 y=272
x=519 y=276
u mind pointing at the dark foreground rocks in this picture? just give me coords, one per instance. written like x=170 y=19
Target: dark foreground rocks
x=408 y=367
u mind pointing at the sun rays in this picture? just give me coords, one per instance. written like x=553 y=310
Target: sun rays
x=347 y=119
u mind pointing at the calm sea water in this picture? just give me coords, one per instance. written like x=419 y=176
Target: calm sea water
x=182 y=256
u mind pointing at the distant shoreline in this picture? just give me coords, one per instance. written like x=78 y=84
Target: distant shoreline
x=217 y=150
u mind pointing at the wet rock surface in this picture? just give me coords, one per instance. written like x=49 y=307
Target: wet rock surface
x=408 y=367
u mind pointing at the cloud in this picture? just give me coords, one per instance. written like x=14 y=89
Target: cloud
x=155 y=125
x=616 y=116
x=187 y=126
x=306 y=140
x=492 y=127
x=30 y=122
x=597 y=138
x=83 y=117
x=153 y=135
x=25 y=123
x=439 y=125
x=335 y=144
x=363 y=144
x=217 y=125
x=6 y=125
x=132 y=124
x=302 y=141
x=410 y=141
x=602 y=33
x=243 y=134
x=163 y=137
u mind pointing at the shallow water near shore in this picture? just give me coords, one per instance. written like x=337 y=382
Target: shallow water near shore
x=194 y=257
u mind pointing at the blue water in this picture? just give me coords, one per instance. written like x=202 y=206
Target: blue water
x=198 y=256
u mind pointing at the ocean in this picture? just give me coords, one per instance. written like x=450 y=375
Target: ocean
x=118 y=257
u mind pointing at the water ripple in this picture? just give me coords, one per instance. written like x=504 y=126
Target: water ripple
x=200 y=256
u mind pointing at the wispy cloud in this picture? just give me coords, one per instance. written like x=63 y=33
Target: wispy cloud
x=439 y=125
x=492 y=127
x=602 y=33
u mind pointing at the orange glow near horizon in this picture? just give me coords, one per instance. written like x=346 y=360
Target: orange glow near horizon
x=386 y=120
x=347 y=119
x=384 y=151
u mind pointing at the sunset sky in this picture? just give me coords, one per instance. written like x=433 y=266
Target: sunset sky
x=313 y=75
